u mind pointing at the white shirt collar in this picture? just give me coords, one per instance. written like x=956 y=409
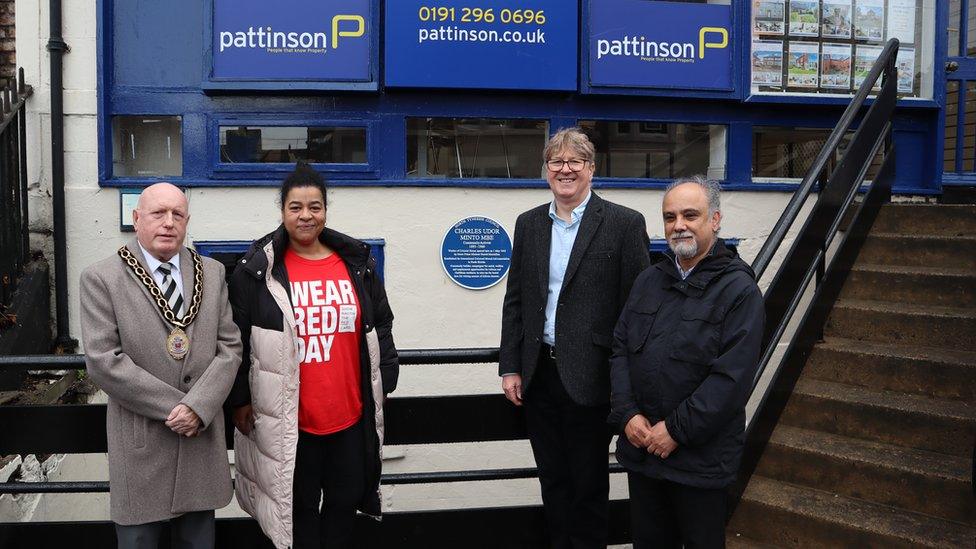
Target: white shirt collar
x=154 y=263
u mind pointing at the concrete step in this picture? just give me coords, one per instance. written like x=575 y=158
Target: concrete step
x=785 y=515
x=915 y=480
x=927 y=371
x=737 y=541
x=942 y=426
x=934 y=285
x=903 y=323
x=927 y=219
x=954 y=252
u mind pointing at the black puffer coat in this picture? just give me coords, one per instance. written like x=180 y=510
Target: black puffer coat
x=686 y=352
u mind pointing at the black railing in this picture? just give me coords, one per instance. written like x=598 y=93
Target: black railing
x=14 y=244
x=806 y=259
x=80 y=428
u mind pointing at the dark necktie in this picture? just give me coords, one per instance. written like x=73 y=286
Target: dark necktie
x=171 y=293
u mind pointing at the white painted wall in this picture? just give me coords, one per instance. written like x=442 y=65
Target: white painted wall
x=431 y=311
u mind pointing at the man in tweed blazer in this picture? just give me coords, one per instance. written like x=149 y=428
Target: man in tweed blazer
x=166 y=446
x=574 y=261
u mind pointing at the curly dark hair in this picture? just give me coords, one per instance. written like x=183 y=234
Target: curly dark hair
x=303 y=176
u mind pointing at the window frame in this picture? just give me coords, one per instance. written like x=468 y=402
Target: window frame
x=651 y=182
x=377 y=248
x=470 y=181
x=275 y=170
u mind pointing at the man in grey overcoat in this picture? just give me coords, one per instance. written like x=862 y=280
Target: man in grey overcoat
x=161 y=342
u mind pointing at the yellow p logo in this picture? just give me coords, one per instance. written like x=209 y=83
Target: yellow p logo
x=360 y=28
x=702 y=44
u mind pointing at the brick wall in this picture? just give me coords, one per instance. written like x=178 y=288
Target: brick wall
x=8 y=60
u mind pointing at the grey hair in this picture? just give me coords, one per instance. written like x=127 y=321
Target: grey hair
x=713 y=190
x=573 y=139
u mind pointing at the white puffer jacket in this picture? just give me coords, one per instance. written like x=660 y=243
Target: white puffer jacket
x=265 y=459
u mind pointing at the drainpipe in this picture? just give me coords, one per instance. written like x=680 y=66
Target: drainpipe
x=57 y=48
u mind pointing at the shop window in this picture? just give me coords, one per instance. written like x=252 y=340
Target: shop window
x=784 y=154
x=147 y=146
x=828 y=46
x=475 y=147
x=229 y=252
x=289 y=144
x=657 y=150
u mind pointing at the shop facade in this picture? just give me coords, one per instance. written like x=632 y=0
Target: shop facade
x=424 y=113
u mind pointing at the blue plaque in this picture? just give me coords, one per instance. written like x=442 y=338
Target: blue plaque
x=476 y=253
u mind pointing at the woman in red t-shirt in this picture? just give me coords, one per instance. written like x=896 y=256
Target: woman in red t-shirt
x=319 y=360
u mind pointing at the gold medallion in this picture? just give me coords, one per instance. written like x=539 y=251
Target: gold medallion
x=178 y=344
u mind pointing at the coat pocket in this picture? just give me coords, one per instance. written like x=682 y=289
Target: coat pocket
x=605 y=255
x=138 y=431
x=640 y=323
x=697 y=338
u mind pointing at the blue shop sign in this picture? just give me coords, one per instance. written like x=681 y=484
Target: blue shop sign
x=476 y=253
x=292 y=40
x=490 y=44
x=641 y=44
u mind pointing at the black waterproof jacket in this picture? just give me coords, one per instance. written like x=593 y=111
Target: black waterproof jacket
x=686 y=352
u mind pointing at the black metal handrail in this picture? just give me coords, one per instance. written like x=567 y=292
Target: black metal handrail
x=409 y=356
x=437 y=477
x=806 y=259
x=14 y=243
x=883 y=66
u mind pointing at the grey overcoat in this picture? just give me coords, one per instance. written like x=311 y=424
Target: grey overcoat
x=154 y=473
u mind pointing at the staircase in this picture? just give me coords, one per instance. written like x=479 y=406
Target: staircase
x=875 y=447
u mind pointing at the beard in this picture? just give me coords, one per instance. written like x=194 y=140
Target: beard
x=683 y=249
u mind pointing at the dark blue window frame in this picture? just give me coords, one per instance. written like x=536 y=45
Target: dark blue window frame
x=917 y=127
x=259 y=170
x=208 y=248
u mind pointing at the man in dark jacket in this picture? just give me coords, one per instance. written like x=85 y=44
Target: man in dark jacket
x=685 y=352
x=573 y=263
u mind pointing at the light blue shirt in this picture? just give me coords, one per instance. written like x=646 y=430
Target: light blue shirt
x=563 y=237
x=154 y=264
x=684 y=274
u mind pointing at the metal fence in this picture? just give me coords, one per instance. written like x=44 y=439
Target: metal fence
x=80 y=428
x=14 y=245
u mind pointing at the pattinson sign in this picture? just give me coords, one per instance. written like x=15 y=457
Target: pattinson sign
x=635 y=43
x=292 y=40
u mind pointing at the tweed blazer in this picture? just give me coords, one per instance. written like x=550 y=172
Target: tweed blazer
x=154 y=473
x=610 y=250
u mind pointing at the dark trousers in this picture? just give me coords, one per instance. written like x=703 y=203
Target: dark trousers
x=571 y=447
x=666 y=514
x=336 y=465
x=187 y=531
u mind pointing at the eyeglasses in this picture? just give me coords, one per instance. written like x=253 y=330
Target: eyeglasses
x=575 y=164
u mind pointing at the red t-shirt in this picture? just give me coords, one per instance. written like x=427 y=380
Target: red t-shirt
x=327 y=313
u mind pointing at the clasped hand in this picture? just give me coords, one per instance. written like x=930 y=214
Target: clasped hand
x=655 y=438
x=184 y=421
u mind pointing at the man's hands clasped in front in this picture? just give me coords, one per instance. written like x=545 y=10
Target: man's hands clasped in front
x=184 y=421
x=655 y=438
